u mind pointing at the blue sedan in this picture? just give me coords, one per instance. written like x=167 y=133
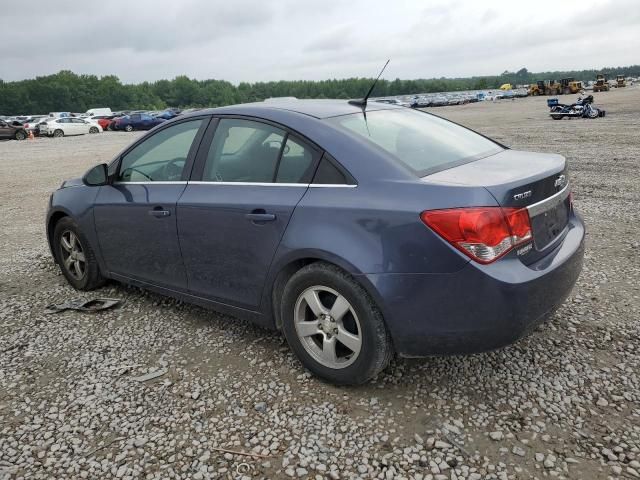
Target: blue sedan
x=359 y=232
x=136 y=121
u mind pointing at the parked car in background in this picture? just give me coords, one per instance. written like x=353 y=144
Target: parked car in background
x=98 y=111
x=67 y=126
x=167 y=114
x=358 y=236
x=104 y=120
x=31 y=125
x=136 y=121
x=9 y=130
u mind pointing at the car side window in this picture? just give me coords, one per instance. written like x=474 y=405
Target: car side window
x=243 y=151
x=328 y=173
x=162 y=157
x=296 y=163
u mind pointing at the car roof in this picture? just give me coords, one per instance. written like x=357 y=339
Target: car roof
x=313 y=108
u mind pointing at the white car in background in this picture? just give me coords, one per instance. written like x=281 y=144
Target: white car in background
x=60 y=127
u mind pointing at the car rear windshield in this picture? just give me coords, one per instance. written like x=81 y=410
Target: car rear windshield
x=424 y=143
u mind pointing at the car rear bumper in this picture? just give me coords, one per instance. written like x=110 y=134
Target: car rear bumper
x=481 y=307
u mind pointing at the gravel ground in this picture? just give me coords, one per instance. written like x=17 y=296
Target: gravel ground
x=562 y=403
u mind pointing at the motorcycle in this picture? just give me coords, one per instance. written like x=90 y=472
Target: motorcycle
x=583 y=108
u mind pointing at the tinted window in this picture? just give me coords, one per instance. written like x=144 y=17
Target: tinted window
x=162 y=157
x=296 y=162
x=243 y=151
x=329 y=174
x=422 y=142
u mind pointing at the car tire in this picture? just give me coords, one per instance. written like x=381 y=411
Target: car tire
x=75 y=256
x=58 y=133
x=20 y=135
x=344 y=312
x=128 y=128
x=93 y=130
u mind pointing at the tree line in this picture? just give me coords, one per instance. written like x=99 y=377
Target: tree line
x=68 y=91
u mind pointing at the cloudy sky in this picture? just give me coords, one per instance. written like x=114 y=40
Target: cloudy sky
x=253 y=40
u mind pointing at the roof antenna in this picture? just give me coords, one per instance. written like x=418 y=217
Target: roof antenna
x=363 y=102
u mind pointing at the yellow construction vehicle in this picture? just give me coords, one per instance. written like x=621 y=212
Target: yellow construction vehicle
x=620 y=81
x=537 y=88
x=601 y=84
x=569 y=85
x=546 y=87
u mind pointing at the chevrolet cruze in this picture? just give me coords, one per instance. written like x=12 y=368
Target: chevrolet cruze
x=358 y=231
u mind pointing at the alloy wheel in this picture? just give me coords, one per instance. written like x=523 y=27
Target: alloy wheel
x=73 y=257
x=328 y=327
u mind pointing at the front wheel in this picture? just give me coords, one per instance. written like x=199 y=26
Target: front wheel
x=75 y=256
x=593 y=113
x=128 y=128
x=333 y=326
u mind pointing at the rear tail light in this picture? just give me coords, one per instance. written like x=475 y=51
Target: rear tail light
x=482 y=233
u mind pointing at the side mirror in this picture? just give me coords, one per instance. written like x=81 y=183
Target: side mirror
x=96 y=176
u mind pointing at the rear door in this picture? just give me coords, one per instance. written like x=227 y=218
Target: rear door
x=249 y=177
x=135 y=216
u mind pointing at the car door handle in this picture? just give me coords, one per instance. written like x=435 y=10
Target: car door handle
x=259 y=215
x=159 y=212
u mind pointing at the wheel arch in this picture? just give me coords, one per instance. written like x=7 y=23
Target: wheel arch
x=54 y=218
x=286 y=268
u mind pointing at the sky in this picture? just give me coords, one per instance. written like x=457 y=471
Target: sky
x=263 y=40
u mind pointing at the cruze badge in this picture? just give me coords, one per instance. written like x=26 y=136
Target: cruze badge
x=561 y=181
x=523 y=195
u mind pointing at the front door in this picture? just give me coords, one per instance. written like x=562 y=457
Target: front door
x=135 y=216
x=252 y=176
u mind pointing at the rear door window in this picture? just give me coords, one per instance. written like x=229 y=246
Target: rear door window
x=243 y=151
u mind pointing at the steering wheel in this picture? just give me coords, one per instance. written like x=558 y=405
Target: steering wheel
x=171 y=170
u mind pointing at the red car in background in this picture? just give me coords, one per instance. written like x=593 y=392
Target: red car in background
x=104 y=120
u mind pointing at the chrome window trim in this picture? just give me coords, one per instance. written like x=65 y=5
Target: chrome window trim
x=255 y=184
x=271 y=184
x=549 y=202
x=179 y=182
x=331 y=185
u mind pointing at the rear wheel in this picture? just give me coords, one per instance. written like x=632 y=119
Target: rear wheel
x=20 y=135
x=75 y=256
x=58 y=133
x=333 y=326
x=93 y=130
